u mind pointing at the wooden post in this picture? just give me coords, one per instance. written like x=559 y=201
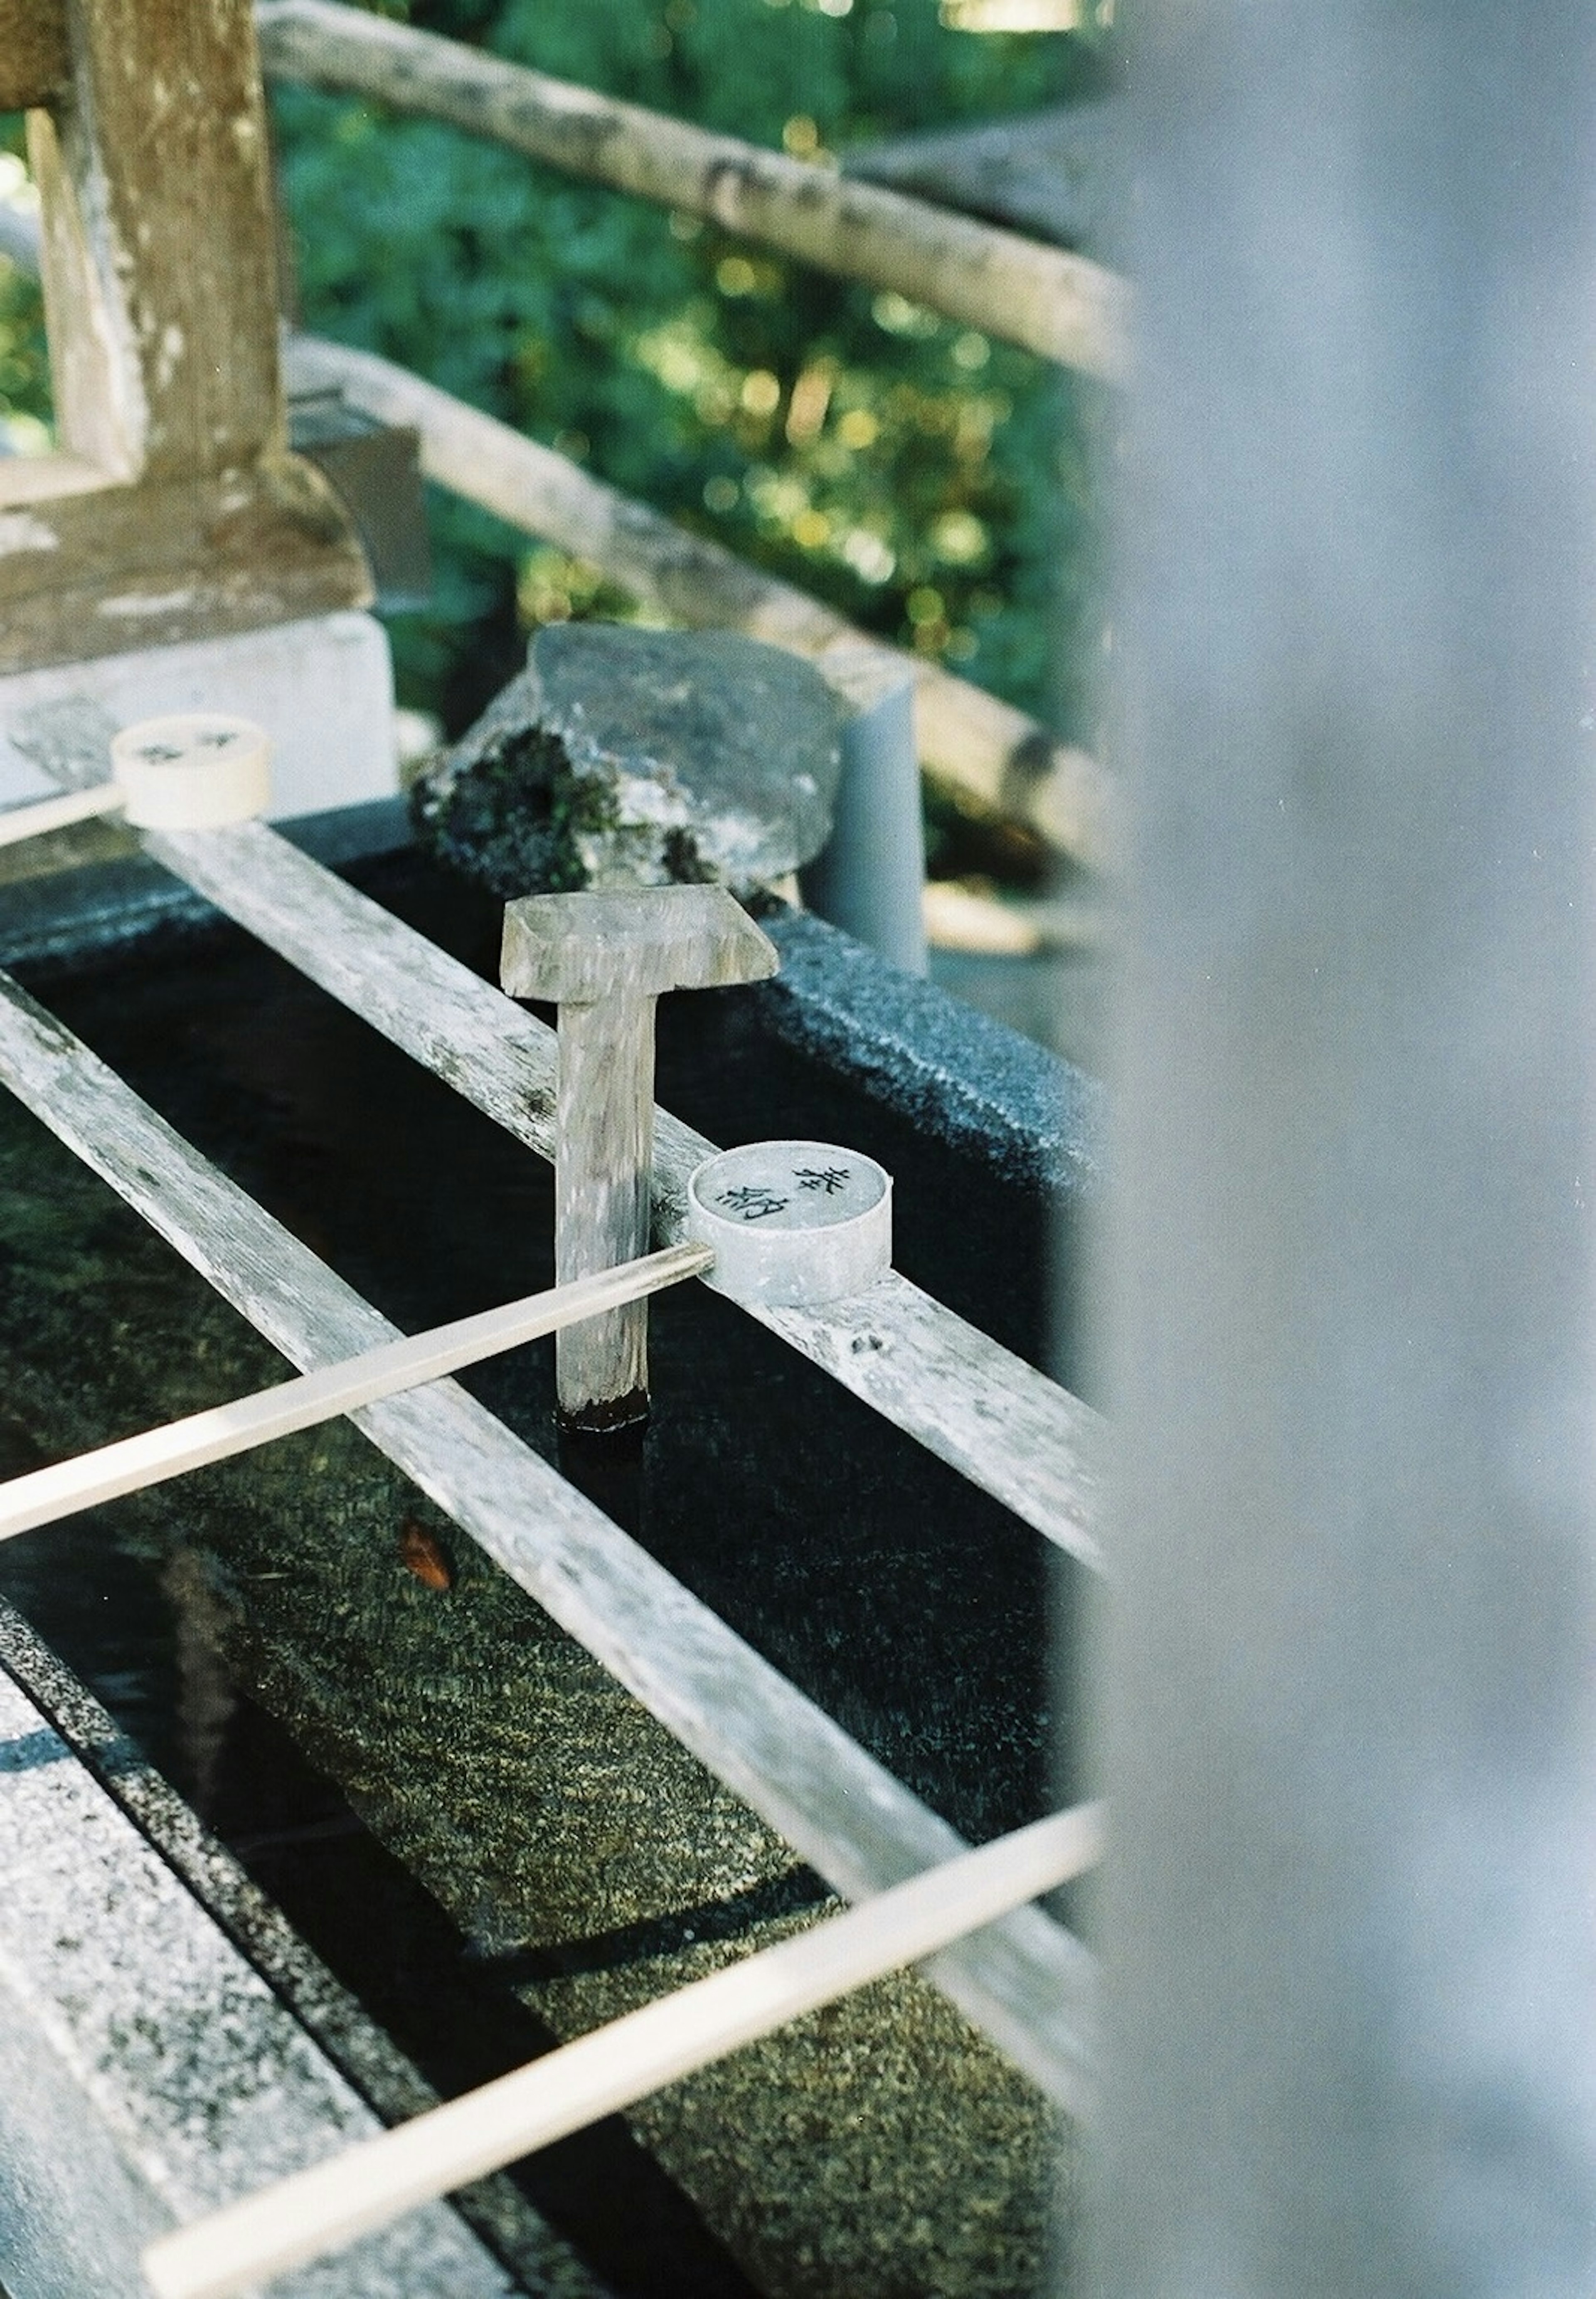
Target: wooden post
x=173 y=509
x=603 y=958
x=35 y=57
x=1062 y=306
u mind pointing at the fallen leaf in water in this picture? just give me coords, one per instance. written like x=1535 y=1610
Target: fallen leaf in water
x=421 y=1553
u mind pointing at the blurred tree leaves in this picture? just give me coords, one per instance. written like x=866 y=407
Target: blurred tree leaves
x=931 y=484
x=24 y=371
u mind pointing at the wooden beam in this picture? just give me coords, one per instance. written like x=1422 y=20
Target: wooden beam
x=977 y=745
x=159 y=256
x=373 y=2182
x=1026 y=1980
x=35 y=58
x=1061 y=306
x=96 y=570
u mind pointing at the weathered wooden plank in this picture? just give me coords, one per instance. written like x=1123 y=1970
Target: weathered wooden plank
x=1060 y=305
x=966 y=738
x=158 y=248
x=35 y=60
x=1004 y=1425
x=131 y=1464
x=602 y=1164
x=174 y=510
x=1026 y=1980
x=370 y=2183
x=93 y=570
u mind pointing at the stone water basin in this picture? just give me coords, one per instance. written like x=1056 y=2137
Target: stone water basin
x=490 y=1843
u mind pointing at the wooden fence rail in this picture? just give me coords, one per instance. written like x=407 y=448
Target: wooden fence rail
x=978 y=746
x=1059 y=305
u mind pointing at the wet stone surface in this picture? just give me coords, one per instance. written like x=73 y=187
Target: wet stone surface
x=489 y=1842
x=624 y=757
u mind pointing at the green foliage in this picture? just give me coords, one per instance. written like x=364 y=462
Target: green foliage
x=24 y=370
x=933 y=485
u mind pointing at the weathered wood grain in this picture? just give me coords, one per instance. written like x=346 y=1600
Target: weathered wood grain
x=35 y=60
x=96 y=570
x=604 y=1131
x=1062 y=306
x=1026 y=1980
x=1004 y=1425
x=131 y=1464
x=966 y=738
x=159 y=249
x=604 y=957
x=371 y=2182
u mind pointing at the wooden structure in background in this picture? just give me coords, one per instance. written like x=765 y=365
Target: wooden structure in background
x=173 y=509
x=1055 y=303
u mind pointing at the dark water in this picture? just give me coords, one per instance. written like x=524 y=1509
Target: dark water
x=232 y=1629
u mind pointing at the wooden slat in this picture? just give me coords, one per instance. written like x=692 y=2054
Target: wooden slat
x=1026 y=1980
x=373 y=2182
x=1062 y=306
x=131 y=1464
x=978 y=745
x=1004 y=1425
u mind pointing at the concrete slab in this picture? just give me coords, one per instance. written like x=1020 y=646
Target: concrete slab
x=323 y=689
x=539 y=2259
x=147 y=2072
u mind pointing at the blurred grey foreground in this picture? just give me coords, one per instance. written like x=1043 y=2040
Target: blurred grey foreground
x=1346 y=1679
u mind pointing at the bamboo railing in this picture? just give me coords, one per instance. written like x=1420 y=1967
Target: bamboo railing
x=1061 y=306
x=977 y=745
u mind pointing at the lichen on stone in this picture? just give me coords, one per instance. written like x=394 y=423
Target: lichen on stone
x=628 y=757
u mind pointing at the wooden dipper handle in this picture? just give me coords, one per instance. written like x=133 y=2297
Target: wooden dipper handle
x=603 y=958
